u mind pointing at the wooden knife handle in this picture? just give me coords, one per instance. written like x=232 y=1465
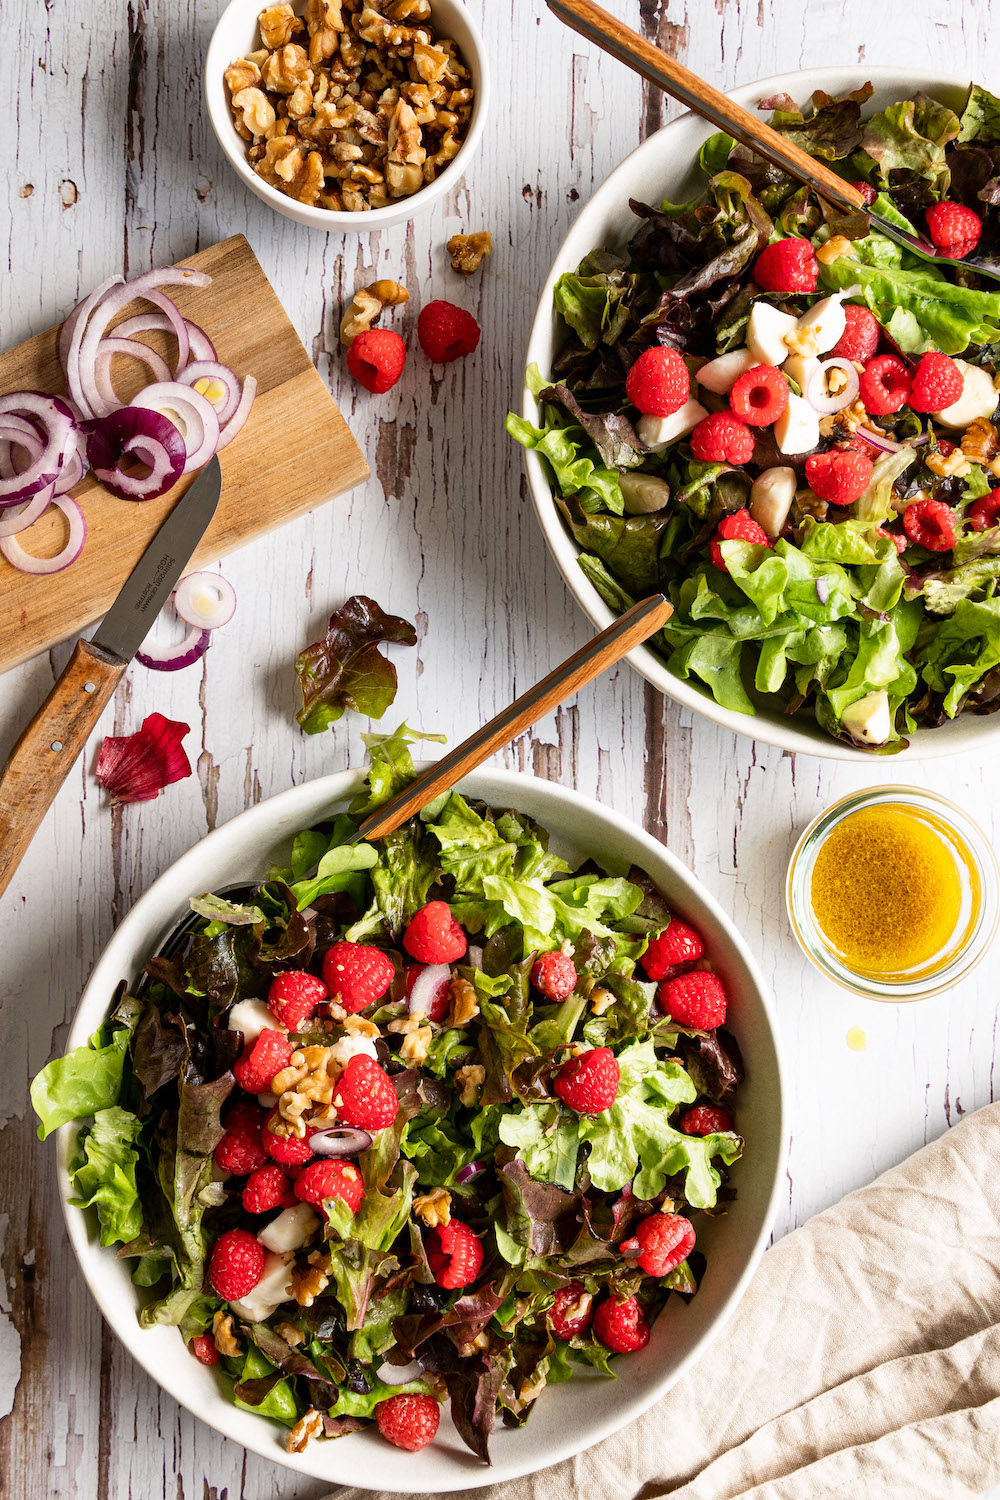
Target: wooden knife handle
x=41 y=760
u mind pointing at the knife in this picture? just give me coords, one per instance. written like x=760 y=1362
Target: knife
x=42 y=758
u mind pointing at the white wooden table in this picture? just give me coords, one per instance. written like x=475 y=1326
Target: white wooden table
x=115 y=168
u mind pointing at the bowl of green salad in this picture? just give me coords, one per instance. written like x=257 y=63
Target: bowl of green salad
x=785 y=421
x=427 y=1163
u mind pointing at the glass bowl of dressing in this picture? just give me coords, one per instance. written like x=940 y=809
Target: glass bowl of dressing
x=894 y=893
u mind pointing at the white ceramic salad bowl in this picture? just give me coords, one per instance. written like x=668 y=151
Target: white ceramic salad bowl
x=569 y=1417
x=665 y=166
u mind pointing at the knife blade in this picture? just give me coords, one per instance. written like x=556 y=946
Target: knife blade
x=43 y=756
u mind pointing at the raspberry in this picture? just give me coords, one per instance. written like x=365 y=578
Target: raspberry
x=589 y=1083
x=376 y=359
x=203 y=1348
x=739 y=527
x=241 y=1149
x=663 y=1241
x=447 y=332
x=760 y=395
x=983 y=514
x=356 y=976
x=288 y=1150
x=658 y=383
x=621 y=1326
x=899 y=542
x=954 y=229
x=705 y=1119
x=257 y=1064
x=433 y=936
x=787 y=266
x=409 y=1422
x=868 y=196
x=931 y=524
x=722 y=439
x=437 y=1006
x=236 y=1266
x=937 y=383
x=840 y=476
x=266 y=1188
x=365 y=1098
x=696 y=1000
x=330 y=1179
x=554 y=975
x=859 y=339
x=676 y=944
x=571 y=1312
x=293 y=997
x=885 y=385
x=454 y=1254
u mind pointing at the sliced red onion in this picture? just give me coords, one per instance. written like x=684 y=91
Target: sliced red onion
x=174 y=658
x=399 y=1374
x=205 y=375
x=238 y=420
x=205 y=599
x=191 y=414
x=426 y=988
x=147 y=435
x=878 y=440
x=18 y=558
x=470 y=1173
x=73 y=471
x=200 y=346
x=54 y=422
x=816 y=395
x=155 y=363
x=17 y=518
x=340 y=1142
x=71 y=339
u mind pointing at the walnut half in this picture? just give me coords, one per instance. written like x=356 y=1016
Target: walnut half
x=468 y=251
x=367 y=308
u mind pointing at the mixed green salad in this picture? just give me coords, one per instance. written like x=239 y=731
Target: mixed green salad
x=435 y=1118
x=864 y=593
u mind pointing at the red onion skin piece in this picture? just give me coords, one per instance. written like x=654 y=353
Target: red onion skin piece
x=137 y=767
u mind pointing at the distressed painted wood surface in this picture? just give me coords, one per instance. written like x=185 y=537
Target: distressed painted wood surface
x=113 y=167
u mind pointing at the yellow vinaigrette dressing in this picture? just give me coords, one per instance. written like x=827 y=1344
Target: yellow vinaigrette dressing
x=894 y=892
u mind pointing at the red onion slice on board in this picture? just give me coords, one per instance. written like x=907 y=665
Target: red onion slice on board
x=217 y=383
x=147 y=435
x=52 y=421
x=18 y=558
x=17 y=518
x=238 y=421
x=191 y=414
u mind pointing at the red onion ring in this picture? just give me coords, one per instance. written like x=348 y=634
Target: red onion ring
x=151 y=438
x=200 y=346
x=206 y=600
x=18 y=558
x=69 y=344
x=211 y=370
x=17 y=518
x=156 y=364
x=470 y=1173
x=175 y=658
x=426 y=987
x=339 y=1142
x=878 y=440
x=73 y=471
x=54 y=421
x=238 y=421
x=190 y=413
x=828 y=406
x=399 y=1374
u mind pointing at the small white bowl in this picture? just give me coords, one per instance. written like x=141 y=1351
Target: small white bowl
x=568 y=1418
x=665 y=166
x=236 y=35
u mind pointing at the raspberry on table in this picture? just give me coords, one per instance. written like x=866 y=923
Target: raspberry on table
x=288 y=1150
x=658 y=383
x=985 y=512
x=759 y=396
x=258 y=1063
x=408 y=1422
x=937 y=383
x=267 y=1188
x=930 y=524
x=697 y=1000
x=365 y=1098
x=722 y=439
x=621 y=1326
x=954 y=229
x=440 y=1002
x=868 y=196
x=454 y=1254
x=203 y=1348
x=885 y=385
x=571 y=1311
x=293 y=998
x=859 y=340
x=788 y=265
x=676 y=944
x=236 y=1264
x=241 y=1149
x=705 y=1119
x=662 y=1241
x=356 y=975
x=376 y=359
x=589 y=1083
x=839 y=476
x=739 y=527
x=433 y=936
x=447 y=332
x=321 y=1180
x=554 y=975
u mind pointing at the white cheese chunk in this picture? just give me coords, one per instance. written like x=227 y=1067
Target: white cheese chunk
x=720 y=375
x=290 y=1230
x=823 y=325
x=273 y=1288
x=800 y=367
x=252 y=1017
x=797 y=429
x=657 y=432
x=353 y=1046
x=978 y=399
x=868 y=720
x=766 y=333
x=771 y=498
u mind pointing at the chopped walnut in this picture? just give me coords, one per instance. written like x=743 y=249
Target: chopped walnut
x=306 y=1428
x=305 y=1085
x=292 y=1336
x=417 y=1038
x=464 y=1003
x=308 y=1283
x=360 y=1025
x=367 y=307
x=242 y=75
x=408 y=10
x=222 y=1332
x=433 y=1208
x=278 y=24
x=804 y=341
x=844 y=423
x=836 y=246
x=601 y=1000
x=468 y=251
x=980 y=442
x=948 y=465
x=286 y=69
x=255 y=111
x=470 y=1080
x=808 y=504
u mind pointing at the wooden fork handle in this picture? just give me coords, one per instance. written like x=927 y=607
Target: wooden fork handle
x=41 y=760
x=658 y=68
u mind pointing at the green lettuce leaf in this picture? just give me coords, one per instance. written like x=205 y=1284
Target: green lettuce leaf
x=346 y=670
x=981 y=118
x=576 y=465
x=390 y=767
x=950 y=316
x=105 y=1177
x=961 y=650
x=82 y=1083
x=911 y=136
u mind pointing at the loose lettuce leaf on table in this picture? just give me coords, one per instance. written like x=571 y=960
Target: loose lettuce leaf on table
x=346 y=670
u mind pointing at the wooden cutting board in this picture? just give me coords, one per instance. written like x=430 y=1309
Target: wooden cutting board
x=294 y=453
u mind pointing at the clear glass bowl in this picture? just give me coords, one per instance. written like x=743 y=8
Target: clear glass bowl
x=978 y=871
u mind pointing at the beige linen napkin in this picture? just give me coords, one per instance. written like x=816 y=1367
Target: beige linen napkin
x=864 y=1361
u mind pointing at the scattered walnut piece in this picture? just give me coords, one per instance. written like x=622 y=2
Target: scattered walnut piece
x=468 y=251
x=980 y=443
x=601 y=1000
x=844 y=423
x=464 y=1003
x=417 y=1038
x=292 y=1336
x=470 y=1080
x=303 y=1088
x=222 y=1332
x=367 y=307
x=433 y=1207
x=360 y=1025
x=306 y=1428
x=308 y=1283
x=948 y=465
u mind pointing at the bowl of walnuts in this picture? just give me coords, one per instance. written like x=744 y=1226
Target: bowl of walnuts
x=347 y=114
